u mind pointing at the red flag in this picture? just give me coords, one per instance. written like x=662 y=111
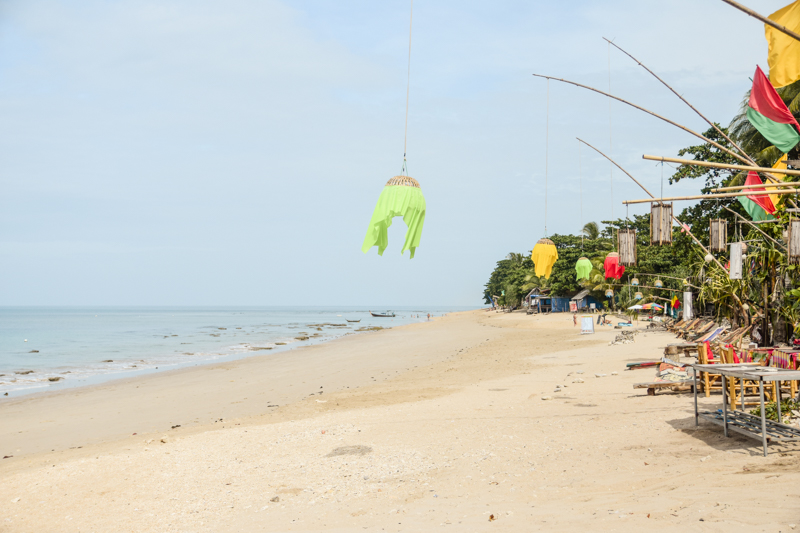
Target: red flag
x=763 y=201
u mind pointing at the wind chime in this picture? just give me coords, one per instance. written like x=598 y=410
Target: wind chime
x=402 y=195
x=718 y=235
x=583 y=267
x=794 y=241
x=544 y=255
x=661 y=219
x=627 y=246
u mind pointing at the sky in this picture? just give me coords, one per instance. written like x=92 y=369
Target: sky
x=231 y=153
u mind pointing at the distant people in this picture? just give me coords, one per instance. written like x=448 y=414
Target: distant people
x=429 y=316
x=574 y=319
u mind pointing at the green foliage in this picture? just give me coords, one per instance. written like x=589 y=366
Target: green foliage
x=771 y=409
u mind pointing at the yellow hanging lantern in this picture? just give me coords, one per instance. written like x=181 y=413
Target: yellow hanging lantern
x=638 y=296
x=635 y=282
x=659 y=284
x=544 y=256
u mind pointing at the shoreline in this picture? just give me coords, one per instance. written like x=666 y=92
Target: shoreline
x=145 y=394
x=167 y=358
x=463 y=428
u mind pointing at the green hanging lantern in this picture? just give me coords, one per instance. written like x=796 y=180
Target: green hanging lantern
x=583 y=268
x=401 y=197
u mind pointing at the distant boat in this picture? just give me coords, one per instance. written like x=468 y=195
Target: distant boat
x=359 y=320
x=387 y=314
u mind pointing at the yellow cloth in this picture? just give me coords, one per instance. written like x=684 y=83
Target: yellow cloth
x=780 y=163
x=784 y=51
x=544 y=256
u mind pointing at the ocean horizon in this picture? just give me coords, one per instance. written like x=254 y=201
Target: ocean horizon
x=45 y=348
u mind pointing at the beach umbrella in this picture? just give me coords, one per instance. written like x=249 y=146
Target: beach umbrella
x=584 y=268
x=544 y=256
x=652 y=306
x=401 y=197
x=635 y=307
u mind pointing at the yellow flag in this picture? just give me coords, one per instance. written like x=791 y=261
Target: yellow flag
x=780 y=163
x=784 y=51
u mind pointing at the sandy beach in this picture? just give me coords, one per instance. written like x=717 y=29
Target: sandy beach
x=422 y=427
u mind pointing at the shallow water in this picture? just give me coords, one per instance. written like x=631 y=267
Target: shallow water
x=86 y=345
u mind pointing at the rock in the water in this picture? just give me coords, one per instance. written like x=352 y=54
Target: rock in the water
x=57 y=378
x=24 y=372
x=302 y=338
x=108 y=361
x=34 y=351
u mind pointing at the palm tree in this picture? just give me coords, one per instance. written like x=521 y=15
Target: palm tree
x=515 y=258
x=591 y=230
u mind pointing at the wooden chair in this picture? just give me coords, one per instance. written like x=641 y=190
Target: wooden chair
x=709 y=381
x=743 y=393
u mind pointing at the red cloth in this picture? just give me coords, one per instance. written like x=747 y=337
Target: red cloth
x=765 y=99
x=612 y=267
x=763 y=201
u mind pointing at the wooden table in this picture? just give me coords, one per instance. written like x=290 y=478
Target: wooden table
x=740 y=421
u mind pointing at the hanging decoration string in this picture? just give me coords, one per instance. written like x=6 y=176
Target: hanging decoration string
x=546 y=153
x=580 y=189
x=408 y=90
x=610 y=147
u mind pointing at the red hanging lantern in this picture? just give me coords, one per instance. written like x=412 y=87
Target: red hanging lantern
x=612 y=267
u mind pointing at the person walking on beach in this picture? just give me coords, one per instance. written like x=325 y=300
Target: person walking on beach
x=574 y=319
x=429 y=316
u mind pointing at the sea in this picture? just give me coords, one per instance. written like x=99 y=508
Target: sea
x=51 y=348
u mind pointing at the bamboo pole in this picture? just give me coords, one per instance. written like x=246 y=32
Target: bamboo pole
x=668 y=277
x=695 y=239
x=742 y=187
x=726 y=166
x=684 y=128
x=684 y=100
x=763 y=19
x=707 y=196
x=658 y=288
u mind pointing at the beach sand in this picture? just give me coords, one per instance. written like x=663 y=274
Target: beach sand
x=443 y=426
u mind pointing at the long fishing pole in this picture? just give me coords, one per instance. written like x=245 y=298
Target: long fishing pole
x=640 y=108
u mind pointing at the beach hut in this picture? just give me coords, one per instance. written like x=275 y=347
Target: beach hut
x=584 y=300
